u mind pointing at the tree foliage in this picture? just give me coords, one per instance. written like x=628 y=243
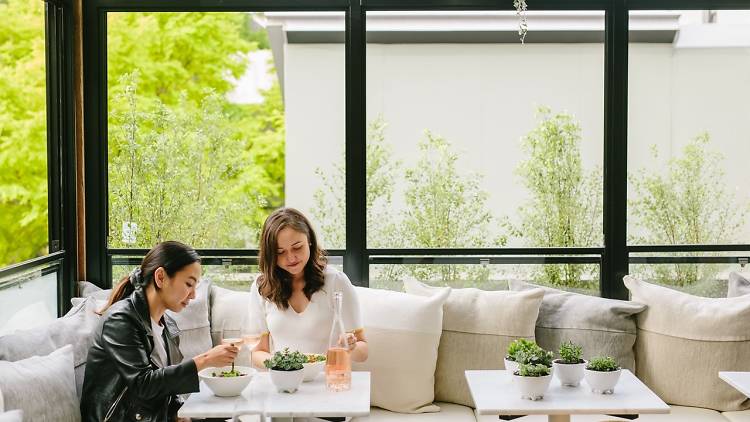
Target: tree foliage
x=565 y=208
x=23 y=132
x=689 y=204
x=184 y=162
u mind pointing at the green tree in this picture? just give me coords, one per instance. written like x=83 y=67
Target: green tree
x=565 y=208
x=23 y=132
x=445 y=209
x=169 y=76
x=688 y=205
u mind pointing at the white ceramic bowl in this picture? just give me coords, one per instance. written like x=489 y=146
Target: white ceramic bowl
x=532 y=388
x=602 y=382
x=226 y=387
x=570 y=375
x=312 y=369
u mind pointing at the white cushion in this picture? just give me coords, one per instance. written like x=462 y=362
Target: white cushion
x=229 y=310
x=30 y=316
x=12 y=416
x=478 y=326
x=678 y=414
x=403 y=334
x=449 y=412
x=42 y=386
x=740 y=416
x=684 y=341
x=738 y=284
x=75 y=328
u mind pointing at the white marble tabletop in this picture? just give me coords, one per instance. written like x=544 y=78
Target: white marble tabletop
x=495 y=394
x=261 y=398
x=738 y=380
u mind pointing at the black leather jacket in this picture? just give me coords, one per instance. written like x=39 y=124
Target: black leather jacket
x=121 y=382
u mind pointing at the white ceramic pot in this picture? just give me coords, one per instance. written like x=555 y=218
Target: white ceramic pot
x=569 y=374
x=226 y=387
x=511 y=366
x=287 y=381
x=602 y=382
x=532 y=388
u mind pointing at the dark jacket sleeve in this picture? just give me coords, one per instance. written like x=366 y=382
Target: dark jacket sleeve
x=124 y=344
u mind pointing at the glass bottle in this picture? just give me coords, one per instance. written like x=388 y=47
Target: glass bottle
x=338 y=361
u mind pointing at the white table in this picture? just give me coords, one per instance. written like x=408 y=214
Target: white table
x=312 y=399
x=495 y=394
x=738 y=380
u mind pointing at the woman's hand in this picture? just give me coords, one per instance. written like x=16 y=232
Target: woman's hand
x=350 y=340
x=221 y=355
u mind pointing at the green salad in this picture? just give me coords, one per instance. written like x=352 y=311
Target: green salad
x=228 y=374
x=315 y=357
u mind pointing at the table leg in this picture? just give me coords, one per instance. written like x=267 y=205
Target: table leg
x=558 y=418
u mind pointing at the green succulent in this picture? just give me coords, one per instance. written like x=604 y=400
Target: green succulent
x=536 y=356
x=571 y=353
x=532 y=370
x=519 y=345
x=603 y=364
x=286 y=360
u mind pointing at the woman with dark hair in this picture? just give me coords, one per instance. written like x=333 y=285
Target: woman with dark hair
x=291 y=302
x=134 y=369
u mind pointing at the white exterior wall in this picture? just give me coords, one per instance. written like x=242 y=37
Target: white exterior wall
x=483 y=97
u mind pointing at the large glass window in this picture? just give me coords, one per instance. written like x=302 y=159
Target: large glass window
x=216 y=119
x=688 y=131
x=23 y=132
x=473 y=142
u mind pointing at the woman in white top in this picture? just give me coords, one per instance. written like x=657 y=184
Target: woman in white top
x=291 y=301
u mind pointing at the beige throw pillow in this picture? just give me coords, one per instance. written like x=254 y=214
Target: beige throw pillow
x=478 y=326
x=403 y=333
x=684 y=341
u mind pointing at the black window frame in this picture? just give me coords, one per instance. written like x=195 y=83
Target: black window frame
x=613 y=257
x=61 y=159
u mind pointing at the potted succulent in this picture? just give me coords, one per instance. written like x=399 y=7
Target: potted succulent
x=520 y=345
x=569 y=368
x=602 y=374
x=532 y=380
x=286 y=369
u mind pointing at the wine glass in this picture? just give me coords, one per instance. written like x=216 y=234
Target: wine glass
x=229 y=336
x=250 y=339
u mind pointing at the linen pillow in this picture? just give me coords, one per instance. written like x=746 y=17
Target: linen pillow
x=33 y=315
x=86 y=289
x=603 y=327
x=738 y=285
x=42 y=386
x=12 y=416
x=229 y=311
x=75 y=328
x=478 y=326
x=403 y=334
x=684 y=341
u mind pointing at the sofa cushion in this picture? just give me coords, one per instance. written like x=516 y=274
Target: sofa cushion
x=86 y=289
x=684 y=341
x=12 y=416
x=228 y=310
x=403 y=334
x=449 y=412
x=75 y=328
x=33 y=315
x=42 y=386
x=739 y=416
x=738 y=284
x=478 y=325
x=603 y=327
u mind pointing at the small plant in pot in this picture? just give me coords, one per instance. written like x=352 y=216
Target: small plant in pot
x=532 y=380
x=569 y=368
x=520 y=345
x=602 y=374
x=286 y=369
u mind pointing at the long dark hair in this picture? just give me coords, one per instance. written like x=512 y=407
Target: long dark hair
x=171 y=255
x=274 y=283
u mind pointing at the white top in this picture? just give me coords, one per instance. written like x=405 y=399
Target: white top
x=307 y=331
x=494 y=394
x=159 y=354
x=738 y=380
x=261 y=398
